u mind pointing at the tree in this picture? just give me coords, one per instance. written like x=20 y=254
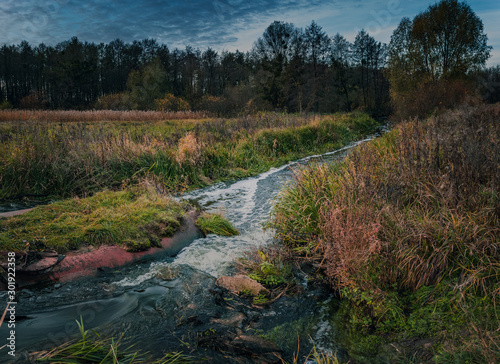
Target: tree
x=443 y=44
x=341 y=59
x=276 y=44
x=317 y=46
x=369 y=56
x=146 y=85
x=275 y=49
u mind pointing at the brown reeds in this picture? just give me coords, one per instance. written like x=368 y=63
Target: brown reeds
x=418 y=207
x=59 y=116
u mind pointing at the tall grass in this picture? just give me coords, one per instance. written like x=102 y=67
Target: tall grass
x=423 y=201
x=416 y=209
x=59 y=116
x=78 y=158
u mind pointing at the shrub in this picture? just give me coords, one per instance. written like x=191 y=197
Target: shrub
x=118 y=101
x=171 y=103
x=34 y=100
x=5 y=105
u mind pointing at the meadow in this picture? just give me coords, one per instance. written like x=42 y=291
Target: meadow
x=406 y=230
x=110 y=180
x=65 y=158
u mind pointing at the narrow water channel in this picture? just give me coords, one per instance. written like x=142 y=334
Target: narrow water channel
x=138 y=299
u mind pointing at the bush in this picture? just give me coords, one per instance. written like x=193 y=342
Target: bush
x=171 y=103
x=5 y=105
x=119 y=101
x=35 y=100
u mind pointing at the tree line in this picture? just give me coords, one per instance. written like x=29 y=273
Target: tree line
x=289 y=69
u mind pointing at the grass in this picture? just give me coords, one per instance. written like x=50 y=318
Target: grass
x=210 y=223
x=61 y=159
x=91 y=348
x=95 y=115
x=270 y=266
x=136 y=218
x=406 y=227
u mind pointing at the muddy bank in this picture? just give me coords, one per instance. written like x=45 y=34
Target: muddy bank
x=38 y=267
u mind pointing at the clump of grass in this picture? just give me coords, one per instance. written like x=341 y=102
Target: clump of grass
x=270 y=266
x=91 y=348
x=316 y=355
x=136 y=218
x=211 y=223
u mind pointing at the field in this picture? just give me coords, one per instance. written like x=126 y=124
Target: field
x=45 y=159
x=114 y=176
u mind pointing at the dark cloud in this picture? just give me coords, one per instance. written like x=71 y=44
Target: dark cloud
x=195 y=22
x=220 y=24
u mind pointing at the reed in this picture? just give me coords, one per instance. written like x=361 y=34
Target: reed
x=59 y=116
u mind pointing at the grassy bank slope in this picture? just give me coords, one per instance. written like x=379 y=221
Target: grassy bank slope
x=136 y=218
x=407 y=229
x=65 y=159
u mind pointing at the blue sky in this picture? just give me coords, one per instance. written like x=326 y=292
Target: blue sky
x=220 y=24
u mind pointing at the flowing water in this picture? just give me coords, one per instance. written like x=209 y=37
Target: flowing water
x=138 y=299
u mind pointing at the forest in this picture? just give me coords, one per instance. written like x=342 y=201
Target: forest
x=288 y=69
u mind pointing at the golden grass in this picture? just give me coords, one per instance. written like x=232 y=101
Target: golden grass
x=96 y=115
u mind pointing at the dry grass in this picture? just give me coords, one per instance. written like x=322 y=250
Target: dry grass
x=417 y=207
x=189 y=150
x=65 y=159
x=59 y=116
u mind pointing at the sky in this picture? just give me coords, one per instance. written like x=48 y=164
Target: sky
x=219 y=24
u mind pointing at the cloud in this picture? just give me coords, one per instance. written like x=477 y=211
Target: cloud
x=194 y=22
x=220 y=24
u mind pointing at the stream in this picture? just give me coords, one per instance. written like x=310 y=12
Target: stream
x=168 y=303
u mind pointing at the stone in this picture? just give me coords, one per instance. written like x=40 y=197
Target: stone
x=167 y=273
x=254 y=344
x=42 y=265
x=241 y=283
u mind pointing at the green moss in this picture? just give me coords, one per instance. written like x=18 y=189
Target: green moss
x=285 y=336
x=433 y=322
x=136 y=218
x=215 y=224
